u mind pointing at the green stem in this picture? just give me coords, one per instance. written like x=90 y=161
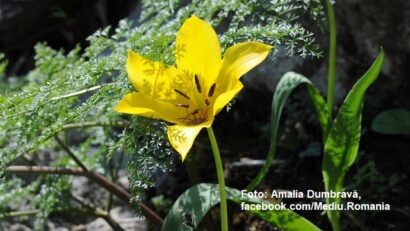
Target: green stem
x=119 y=124
x=332 y=58
x=81 y=92
x=77 y=93
x=18 y=213
x=221 y=180
x=334 y=216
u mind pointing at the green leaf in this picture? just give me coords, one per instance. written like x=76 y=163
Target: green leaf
x=3 y=64
x=286 y=85
x=194 y=203
x=393 y=121
x=342 y=143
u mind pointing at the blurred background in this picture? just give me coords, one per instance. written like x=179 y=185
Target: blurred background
x=62 y=24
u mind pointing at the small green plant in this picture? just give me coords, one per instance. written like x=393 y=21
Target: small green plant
x=341 y=134
x=393 y=121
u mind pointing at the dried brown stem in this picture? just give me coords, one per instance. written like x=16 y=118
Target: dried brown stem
x=97 y=178
x=70 y=153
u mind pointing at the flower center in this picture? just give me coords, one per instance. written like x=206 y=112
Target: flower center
x=197 y=106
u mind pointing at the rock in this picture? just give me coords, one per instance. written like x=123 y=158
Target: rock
x=363 y=26
x=14 y=227
x=125 y=218
x=91 y=192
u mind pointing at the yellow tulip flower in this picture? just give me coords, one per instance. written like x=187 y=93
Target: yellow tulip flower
x=189 y=95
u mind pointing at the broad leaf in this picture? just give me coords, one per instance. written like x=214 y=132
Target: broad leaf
x=286 y=85
x=394 y=121
x=342 y=143
x=194 y=203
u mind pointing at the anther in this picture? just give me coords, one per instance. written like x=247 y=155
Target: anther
x=182 y=105
x=195 y=112
x=181 y=93
x=211 y=90
x=198 y=86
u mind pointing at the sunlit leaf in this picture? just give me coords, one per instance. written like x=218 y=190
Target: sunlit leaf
x=286 y=85
x=3 y=64
x=342 y=143
x=194 y=203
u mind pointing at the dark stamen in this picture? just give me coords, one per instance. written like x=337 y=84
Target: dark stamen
x=198 y=86
x=207 y=102
x=181 y=93
x=195 y=112
x=211 y=90
x=182 y=105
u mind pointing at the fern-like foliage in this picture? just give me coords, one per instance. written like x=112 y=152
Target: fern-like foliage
x=82 y=86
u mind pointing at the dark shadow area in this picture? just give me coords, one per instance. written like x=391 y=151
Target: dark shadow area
x=62 y=24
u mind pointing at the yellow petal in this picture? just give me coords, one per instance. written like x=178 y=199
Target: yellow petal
x=224 y=98
x=143 y=105
x=151 y=78
x=241 y=58
x=182 y=137
x=198 y=50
